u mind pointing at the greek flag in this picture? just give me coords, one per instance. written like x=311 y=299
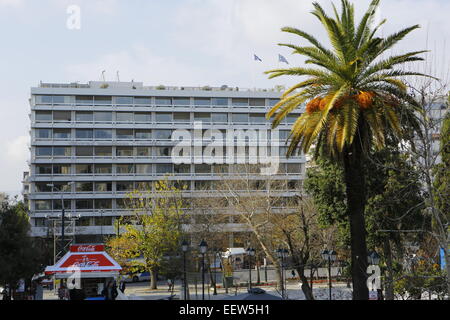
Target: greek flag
x=257 y=58
x=282 y=59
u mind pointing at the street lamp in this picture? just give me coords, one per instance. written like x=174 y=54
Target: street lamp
x=329 y=256
x=184 y=248
x=203 y=248
x=250 y=252
x=373 y=258
x=282 y=253
x=52 y=186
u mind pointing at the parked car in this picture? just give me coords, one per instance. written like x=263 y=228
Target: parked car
x=137 y=277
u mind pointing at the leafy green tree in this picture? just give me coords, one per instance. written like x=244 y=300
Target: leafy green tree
x=354 y=97
x=20 y=258
x=156 y=229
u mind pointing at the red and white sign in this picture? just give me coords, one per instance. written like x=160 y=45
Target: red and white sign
x=87 y=248
x=83 y=259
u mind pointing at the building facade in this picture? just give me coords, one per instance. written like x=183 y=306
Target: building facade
x=91 y=144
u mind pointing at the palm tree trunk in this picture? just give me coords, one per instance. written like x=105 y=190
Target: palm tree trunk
x=389 y=274
x=356 y=201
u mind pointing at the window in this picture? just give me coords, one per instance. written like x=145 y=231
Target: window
x=103 y=204
x=124 y=151
x=202 y=185
x=124 y=100
x=144 y=186
x=184 y=117
x=83 y=168
x=63 y=116
x=182 y=168
x=143 y=100
x=84 y=204
x=240 y=102
x=61 y=133
x=103 y=134
x=62 y=151
x=144 y=168
x=273 y=102
x=124 y=116
x=84 y=151
x=240 y=118
x=44 y=116
x=103 y=186
x=143 y=134
x=43 y=204
x=103 y=100
x=220 y=101
x=202 y=116
x=219 y=117
x=143 y=117
x=43 y=169
x=83 y=222
x=57 y=205
x=84 y=100
x=44 y=99
x=143 y=151
x=284 y=134
x=293 y=168
x=257 y=102
x=62 y=169
x=62 y=99
x=291 y=118
x=125 y=169
x=162 y=151
x=84 y=187
x=202 y=101
x=43 y=133
x=121 y=204
x=258 y=118
x=84 y=134
x=163 y=101
x=43 y=187
x=103 y=151
x=84 y=116
x=162 y=134
x=203 y=168
x=163 y=117
x=124 y=134
x=181 y=101
x=103 y=221
x=164 y=168
x=103 y=169
x=103 y=116
x=124 y=186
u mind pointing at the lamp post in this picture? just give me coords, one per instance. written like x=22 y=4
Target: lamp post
x=63 y=211
x=184 y=248
x=203 y=248
x=373 y=258
x=329 y=256
x=250 y=252
x=282 y=253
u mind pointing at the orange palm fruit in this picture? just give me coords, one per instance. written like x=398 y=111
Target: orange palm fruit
x=313 y=105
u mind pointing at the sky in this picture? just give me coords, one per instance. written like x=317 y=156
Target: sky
x=174 y=42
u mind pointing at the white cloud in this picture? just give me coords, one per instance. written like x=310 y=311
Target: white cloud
x=13 y=162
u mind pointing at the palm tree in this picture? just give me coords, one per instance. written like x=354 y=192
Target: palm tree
x=354 y=98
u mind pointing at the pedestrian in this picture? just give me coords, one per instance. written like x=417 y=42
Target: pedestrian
x=170 y=284
x=110 y=291
x=123 y=286
x=293 y=274
x=39 y=291
x=5 y=293
x=62 y=292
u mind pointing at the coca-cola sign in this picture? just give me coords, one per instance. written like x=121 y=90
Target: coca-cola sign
x=87 y=248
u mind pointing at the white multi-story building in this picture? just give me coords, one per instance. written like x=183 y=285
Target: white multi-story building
x=93 y=143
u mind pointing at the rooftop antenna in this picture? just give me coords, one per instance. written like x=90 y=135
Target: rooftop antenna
x=103 y=75
x=118 y=78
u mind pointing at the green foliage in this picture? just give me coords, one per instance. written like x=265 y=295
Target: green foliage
x=156 y=228
x=19 y=257
x=442 y=171
x=351 y=83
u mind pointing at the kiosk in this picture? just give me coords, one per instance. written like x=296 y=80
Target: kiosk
x=86 y=266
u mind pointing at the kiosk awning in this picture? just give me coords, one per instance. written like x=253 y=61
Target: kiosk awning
x=87 y=259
